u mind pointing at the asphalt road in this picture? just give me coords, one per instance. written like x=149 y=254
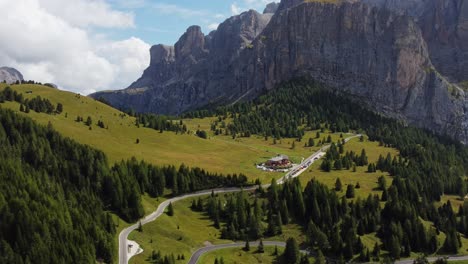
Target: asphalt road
x=432 y=259
x=123 y=258
x=295 y=172
x=201 y=251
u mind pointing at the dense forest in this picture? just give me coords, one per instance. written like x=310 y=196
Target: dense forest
x=428 y=167
x=56 y=195
x=159 y=122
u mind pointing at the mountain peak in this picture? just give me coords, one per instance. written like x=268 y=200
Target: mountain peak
x=285 y=4
x=271 y=8
x=191 y=43
x=383 y=57
x=10 y=75
x=161 y=53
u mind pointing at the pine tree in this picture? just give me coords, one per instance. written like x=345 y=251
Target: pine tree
x=304 y=260
x=350 y=191
x=384 y=195
x=261 y=247
x=199 y=204
x=421 y=259
x=320 y=259
x=89 y=121
x=376 y=252
x=59 y=108
x=395 y=247
x=382 y=183
x=291 y=252
x=140 y=227
x=247 y=245
x=338 y=185
x=363 y=158
x=338 y=165
x=170 y=209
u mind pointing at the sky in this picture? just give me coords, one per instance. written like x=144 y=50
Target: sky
x=86 y=46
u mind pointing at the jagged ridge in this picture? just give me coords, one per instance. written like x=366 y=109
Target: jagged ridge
x=373 y=53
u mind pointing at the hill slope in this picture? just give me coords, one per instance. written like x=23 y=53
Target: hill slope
x=118 y=141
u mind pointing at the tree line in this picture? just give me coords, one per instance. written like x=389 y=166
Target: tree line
x=37 y=104
x=428 y=167
x=56 y=195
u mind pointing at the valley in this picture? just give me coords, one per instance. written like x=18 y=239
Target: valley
x=312 y=132
x=188 y=230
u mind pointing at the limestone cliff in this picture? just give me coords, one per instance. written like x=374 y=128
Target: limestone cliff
x=444 y=25
x=372 y=52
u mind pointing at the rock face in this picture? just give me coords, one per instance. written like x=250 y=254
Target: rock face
x=271 y=8
x=372 y=52
x=10 y=75
x=444 y=25
x=188 y=75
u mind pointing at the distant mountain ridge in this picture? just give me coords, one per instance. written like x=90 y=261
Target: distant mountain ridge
x=380 y=53
x=10 y=75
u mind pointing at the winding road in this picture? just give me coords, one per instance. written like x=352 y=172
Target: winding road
x=125 y=253
x=432 y=259
x=201 y=251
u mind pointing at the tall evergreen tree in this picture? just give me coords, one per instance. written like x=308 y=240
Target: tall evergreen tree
x=291 y=253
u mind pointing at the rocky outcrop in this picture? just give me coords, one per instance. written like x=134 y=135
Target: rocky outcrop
x=185 y=76
x=444 y=25
x=375 y=54
x=10 y=75
x=271 y=8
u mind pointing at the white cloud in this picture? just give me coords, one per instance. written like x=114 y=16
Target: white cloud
x=130 y=4
x=83 y=13
x=245 y=5
x=213 y=26
x=59 y=48
x=171 y=9
x=235 y=10
x=132 y=56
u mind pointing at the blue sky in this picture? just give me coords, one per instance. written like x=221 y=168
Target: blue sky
x=164 y=21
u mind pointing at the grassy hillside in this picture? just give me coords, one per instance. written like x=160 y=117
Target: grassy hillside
x=238 y=255
x=367 y=181
x=187 y=231
x=118 y=140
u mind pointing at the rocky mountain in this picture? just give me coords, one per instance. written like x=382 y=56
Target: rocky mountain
x=10 y=75
x=271 y=8
x=377 y=52
x=444 y=25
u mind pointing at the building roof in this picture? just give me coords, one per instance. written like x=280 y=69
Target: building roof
x=279 y=158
